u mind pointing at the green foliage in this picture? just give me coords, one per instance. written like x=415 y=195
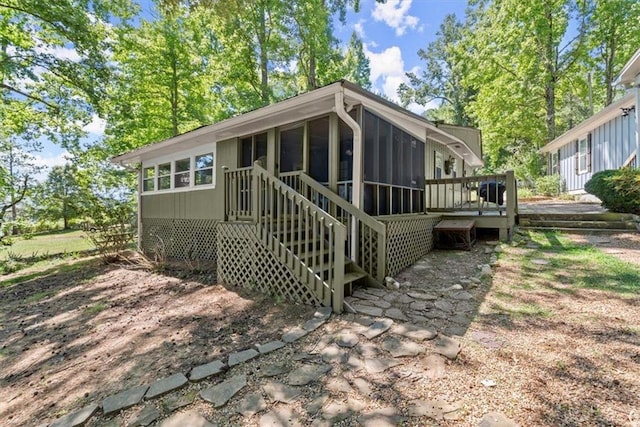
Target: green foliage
x=619 y=190
x=549 y=185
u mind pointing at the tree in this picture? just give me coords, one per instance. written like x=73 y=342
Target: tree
x=357 y=65
x=60 y=196
x=443 y=78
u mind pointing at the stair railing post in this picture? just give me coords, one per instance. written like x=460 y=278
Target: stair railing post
x=338 y=265
x=255 y=177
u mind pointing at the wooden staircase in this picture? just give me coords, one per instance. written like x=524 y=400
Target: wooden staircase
x=580 y=222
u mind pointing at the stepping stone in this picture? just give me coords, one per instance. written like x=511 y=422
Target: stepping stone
x=426 y=408
x=464 y=307
x=376 y=291
x=414 y=332
x=278 y=392
x=301 y=356
x=252 y=404
x=204 y=371
x=455 y=287
x=462 y=296
x=333 y=354
x=181 y=401
x=444 y=305
x=418 y=305
x=335 y=412
x=347 y=339
x=422 y=296
x=383 y=417
x=313 y=324
x=377 y=328
x=339 y=385
x=77 y=418
x=375 y=366
x=148 y=415
x=323 y=313
x=363 y=386
x=365 y=309
x=416 y=318
x=454 y=330
x=270 y=346
x=496 y=419
x=166 y=385
x=447 y=346
x=382 y=304
x=391 y=297
x=280 y=417
x=368 y=350
x=242 y=356
x=274 y=370
x=532 y=246
x=364 y=321
x=123 y=400
x=405 y=299
x=294 y=335
x=354 y=363
x=316 y=403
x=399 y=348
x=365 y=295
x=540 y=261
x=436 y=314
x=435 y=366
x=306 y=374
x=460 y=319
x=191 y=419
x=220 y=394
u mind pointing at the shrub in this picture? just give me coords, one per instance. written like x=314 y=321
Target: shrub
x=619 y=190
x=549 y=185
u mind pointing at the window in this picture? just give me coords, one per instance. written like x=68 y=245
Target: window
x=437 y=170
x=182 y=176
x=253 y=148
x=554 y=163
x=583 y=155
x=148 y=182
x=204 y=169
x=192 y=169
x=164 y=176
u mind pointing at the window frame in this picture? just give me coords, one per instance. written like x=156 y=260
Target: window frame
x=171 y=160
x=583 y=155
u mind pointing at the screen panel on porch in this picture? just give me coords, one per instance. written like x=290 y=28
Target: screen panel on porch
x=291 y=143
x=393 y=169
x=252 y=148
x=319 y=149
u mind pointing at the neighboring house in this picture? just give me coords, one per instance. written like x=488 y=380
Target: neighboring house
x=607 y=140
x=306 y=196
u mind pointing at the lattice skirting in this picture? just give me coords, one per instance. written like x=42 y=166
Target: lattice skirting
x=182 y=239
x=244 y=261
x=409 y=238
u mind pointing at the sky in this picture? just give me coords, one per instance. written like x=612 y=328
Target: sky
x=392 y=33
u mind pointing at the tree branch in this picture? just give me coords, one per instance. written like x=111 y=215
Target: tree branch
x=33 y=97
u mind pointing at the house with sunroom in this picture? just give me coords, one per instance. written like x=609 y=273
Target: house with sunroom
x=313 y=195
x=610 y=139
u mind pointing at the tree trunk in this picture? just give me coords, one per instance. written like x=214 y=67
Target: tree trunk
x=174 y=93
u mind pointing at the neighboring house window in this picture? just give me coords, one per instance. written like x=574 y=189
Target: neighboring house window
x=583 y=155
x=164 y=176
x=204 y=169
x=148 y=181
x=554 y=163
x=182 y=175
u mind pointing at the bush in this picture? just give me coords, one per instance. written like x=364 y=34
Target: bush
x=549 y=185
x=619 y=190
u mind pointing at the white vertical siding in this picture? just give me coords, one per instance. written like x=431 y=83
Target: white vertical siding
x=611 y=144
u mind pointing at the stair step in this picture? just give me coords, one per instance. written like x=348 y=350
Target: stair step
x=353 y=276
x=616 y=225
x=325 y=266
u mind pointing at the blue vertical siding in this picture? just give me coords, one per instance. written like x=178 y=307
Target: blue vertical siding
x=611 y=144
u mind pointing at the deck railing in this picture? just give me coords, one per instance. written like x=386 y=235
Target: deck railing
x=237 y=193
x=366 y=236
x=296 y=231
x=482 y=194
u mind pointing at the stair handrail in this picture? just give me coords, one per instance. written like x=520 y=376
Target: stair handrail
x=272 y=201
x=364 y=225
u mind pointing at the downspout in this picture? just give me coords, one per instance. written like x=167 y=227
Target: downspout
x=139 y=210
x=637 y=105
x=356 y=177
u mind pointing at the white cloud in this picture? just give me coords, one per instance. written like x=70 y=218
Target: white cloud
x=96 y=126
x=359 y=28
x=46 y=161
x=386 y=63
x=395 y=13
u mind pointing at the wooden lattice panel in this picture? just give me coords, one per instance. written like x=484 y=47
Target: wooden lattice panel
x=409 y=238
x=183 y=239
x=368 y=255
x=244 y=261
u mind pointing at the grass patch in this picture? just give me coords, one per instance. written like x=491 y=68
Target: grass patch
x=95 y=309
x=32 y=299
x=520 y=311
x=63 y=242
x=57 y=266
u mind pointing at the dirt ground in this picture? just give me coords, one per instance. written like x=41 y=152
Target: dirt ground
x=554 y=357
x=75 y=337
